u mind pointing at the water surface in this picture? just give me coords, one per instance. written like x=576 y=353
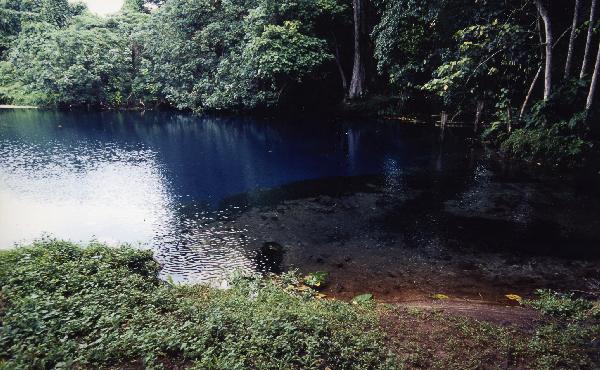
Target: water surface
x=158 y=179
x=211 y=194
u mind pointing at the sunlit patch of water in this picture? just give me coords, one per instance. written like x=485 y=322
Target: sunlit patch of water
x=204 y=248
x=112 y=194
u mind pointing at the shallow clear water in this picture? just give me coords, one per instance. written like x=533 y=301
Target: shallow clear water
x=158 y=179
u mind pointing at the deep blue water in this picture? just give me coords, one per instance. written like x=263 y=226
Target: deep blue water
x=142 y=178
x=207 y=158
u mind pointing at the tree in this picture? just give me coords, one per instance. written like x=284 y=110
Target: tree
x=202 y=54
x=134 y=5
x=75 y=65
x=593 y=85
x=488 y=58
x=588 y=41
x=357 y=83
x=56 y=12
x=281 y=54
x=542 y=7
x=573 y=34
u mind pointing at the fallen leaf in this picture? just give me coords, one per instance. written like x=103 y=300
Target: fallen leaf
x=514 y=297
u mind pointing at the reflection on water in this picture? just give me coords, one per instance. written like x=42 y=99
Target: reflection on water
x=158 y=178
x=80 y=192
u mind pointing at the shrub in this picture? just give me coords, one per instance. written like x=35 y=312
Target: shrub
x=561 y=305
x=63 y=305
x=569 y=333
x=553 y=145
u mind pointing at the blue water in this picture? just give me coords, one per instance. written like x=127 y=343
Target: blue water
x=144 y=177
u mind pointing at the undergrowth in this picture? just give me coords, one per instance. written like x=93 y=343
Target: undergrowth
x=66 y=306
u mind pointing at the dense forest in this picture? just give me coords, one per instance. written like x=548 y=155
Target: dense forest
x=523 y=72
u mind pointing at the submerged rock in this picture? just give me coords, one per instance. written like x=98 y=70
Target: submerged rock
x=270 y=258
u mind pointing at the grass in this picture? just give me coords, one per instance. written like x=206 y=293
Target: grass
x=67 y=306
x=566 y=336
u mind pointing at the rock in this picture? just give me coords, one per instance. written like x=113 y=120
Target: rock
x=270 y=257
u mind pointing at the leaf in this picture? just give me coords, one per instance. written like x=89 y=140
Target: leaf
x=439 y=296
x=363 y=298
x=315 y=279
x=514 y=297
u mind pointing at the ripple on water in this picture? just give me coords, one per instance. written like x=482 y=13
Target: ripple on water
x=204 y=250
x=115 y=194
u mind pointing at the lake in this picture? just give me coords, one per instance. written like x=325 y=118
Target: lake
x=211 y=194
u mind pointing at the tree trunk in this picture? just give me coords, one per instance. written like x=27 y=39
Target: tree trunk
x=543 y=10
x=530 y=92
x=357 y=83
x=443 y=121
x=479 y=111
x=593 y=85
x=338 y=62
x=588 y=42
x=569 y=60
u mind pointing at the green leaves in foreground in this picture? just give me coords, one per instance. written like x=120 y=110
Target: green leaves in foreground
x=315 y=279
x=64 y=305
x=363 y=298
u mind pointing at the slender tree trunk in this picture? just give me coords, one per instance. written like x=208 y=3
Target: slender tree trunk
x=530 y=92
x=478 y=113
x=588 y=42
x=569 y=60
x=543 y=10
x=443 y=121
x=338 y=62
x=357 y=83
x=593 y=85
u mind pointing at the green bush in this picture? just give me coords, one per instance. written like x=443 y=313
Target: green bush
x=561 y=305
x=63 y=305
x=568 y=335
x=553 y=145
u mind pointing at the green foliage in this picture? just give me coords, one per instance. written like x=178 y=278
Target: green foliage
x=362 y=298
x=316 y=279
x=572 y=325
x=405 y=40
x=553 y=132
x=554 y=144
x=282 y=52
x=67 y=66
x=232 y=55
x=67 y=306
x=56 y=12
x=564 y=306
x=91 y=61
x=486 y=60
x=134 y=6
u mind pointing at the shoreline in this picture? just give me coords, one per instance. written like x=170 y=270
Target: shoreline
x=408 y=247
x=8 y=106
